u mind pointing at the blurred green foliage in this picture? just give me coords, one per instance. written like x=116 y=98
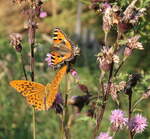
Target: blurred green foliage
x=16 y=115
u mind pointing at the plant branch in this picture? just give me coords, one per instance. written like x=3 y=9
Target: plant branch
x=130 y=113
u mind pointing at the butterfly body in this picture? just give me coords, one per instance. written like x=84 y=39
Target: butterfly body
x=63 y=50
x=38 y=95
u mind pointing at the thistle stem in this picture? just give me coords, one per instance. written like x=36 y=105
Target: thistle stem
x=66 y=134
x=33 y=119
x=31 y=38
x=23 y=67
x=129 y=114
x=105 y=98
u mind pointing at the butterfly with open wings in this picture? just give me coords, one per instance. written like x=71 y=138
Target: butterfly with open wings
x=62 y=50
x=41 y=97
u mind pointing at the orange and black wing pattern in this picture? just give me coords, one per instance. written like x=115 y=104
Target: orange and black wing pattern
x=41 y=97
x=62 y=49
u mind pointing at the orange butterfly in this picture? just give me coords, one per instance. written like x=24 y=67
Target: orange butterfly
x=39 y=95
x=62 y=50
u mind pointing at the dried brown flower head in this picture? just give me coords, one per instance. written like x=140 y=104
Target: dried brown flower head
x=132 y=14
x=106 y=57
x=107 y=18
x=133 y=43
x=114 y=88
x=15 y=41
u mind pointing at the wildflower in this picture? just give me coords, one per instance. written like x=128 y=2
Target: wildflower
x=48 y=59
x=107 y=18
x=114 y=88
x=138 y=124
x=134 y=44
x=43 y=14
x=106 y=57
x=136 y=15
x=132 y=15
x=57 y=105
x=117 y=119
x=112 y=91
x=103 y=135
x=15 y=41
x=74 y=73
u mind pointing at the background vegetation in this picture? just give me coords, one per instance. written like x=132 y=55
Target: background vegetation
x=84 y=27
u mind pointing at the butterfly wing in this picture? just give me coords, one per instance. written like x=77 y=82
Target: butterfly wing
x=32 y=91
x=52 y=88
x=60 y=38
x=62 y=49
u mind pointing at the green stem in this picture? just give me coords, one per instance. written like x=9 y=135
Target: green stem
x=31 y=37
x=23 y=67
x=33 y=119
x=121 y=64
x=66 y=134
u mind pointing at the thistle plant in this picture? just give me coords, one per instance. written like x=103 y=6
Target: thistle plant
x=70 y=106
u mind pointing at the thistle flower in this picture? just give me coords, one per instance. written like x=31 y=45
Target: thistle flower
x=114 y=88
x=118 y=119
x=103 y=135
x=43 y=14
x=48 y=59
x=106 y=57
x=15 y=41
x=133 y=43
x=138 y=124
x=137 y=14
x=132 y=14
x=74 y=74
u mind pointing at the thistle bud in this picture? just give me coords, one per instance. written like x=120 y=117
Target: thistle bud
x=127 y=51
x=83 y=88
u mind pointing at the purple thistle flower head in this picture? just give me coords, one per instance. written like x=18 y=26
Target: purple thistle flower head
x=117 y=119
x=43 y=14
x=73 y=72
x=138 y=123
x=48 y=59
x=103 y=135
